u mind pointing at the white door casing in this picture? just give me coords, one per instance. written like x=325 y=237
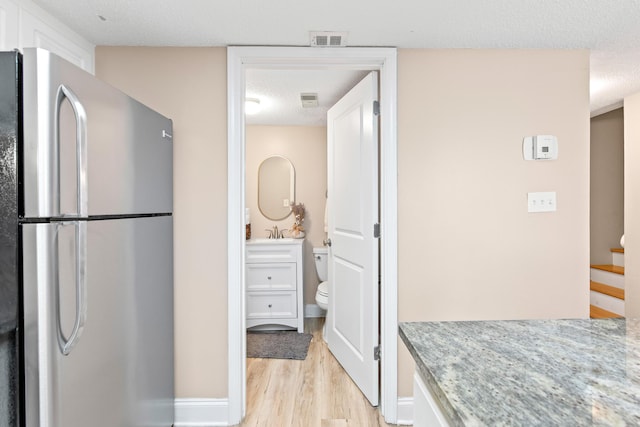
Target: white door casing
x=385 y=61
x=352 y=161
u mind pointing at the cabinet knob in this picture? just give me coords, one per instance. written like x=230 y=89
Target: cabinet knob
x=269 y=305
x=269 y=277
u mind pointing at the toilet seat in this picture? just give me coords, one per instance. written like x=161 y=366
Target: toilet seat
x=323 y=288
x=322 y=295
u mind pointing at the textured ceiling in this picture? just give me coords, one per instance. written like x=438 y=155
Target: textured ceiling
x=279 y=93
x=609 y=28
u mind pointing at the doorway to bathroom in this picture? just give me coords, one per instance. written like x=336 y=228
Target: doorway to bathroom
x=241 y=59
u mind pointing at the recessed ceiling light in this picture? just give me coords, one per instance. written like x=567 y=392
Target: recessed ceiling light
x=251 y=105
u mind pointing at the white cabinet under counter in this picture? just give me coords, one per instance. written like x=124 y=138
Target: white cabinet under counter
x=273 y=277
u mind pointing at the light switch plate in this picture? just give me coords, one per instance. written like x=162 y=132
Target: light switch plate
x=541 y=201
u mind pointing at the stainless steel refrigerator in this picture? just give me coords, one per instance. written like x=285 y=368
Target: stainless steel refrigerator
x=86 y=250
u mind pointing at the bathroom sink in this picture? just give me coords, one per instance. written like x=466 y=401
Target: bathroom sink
x=266 y=240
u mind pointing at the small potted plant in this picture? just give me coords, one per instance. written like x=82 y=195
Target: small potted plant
x=297 y=230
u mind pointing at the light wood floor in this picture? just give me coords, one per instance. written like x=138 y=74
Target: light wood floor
x=315 y=392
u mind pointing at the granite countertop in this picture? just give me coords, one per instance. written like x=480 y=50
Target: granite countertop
x=531 y=372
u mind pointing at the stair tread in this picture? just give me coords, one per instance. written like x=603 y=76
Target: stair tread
x=601 y=313
x=610 y=268
x=612 y=291
x=618 y=250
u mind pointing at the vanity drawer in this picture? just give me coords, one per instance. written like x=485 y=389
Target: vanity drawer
x=271 y=276
x=276 y=252
x=272 y=304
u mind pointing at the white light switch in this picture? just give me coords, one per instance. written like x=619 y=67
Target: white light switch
x=541 y=201
x=285 y=203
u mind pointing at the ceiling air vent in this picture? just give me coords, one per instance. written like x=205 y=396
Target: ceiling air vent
x=309 y=100
x=328 y=38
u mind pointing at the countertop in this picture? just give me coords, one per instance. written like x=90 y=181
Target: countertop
x=531 y=372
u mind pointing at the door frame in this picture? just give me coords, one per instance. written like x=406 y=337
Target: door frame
x=385 y=61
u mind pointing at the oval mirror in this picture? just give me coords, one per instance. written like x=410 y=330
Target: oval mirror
x=276 y=187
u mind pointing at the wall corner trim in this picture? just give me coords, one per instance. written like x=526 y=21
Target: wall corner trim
x=201 y=412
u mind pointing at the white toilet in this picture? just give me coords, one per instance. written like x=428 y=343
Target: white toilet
x=320 y=256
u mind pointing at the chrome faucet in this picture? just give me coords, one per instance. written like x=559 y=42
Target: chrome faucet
x=274 y=233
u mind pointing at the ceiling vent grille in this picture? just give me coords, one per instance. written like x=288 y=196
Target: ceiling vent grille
x=309 y=100
x=328 y=38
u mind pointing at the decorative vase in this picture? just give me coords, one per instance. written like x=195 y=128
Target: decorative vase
x=296 y=234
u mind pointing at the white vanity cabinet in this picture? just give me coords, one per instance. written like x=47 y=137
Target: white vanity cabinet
x=273 y=280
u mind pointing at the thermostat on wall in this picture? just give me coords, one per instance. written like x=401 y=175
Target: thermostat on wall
x=540 y=147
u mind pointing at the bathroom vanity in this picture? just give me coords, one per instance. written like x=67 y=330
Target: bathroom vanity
x=274 y=275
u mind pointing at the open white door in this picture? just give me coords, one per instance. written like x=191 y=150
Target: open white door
x=352 y=319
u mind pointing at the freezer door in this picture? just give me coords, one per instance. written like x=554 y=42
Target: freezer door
x=90 y=150
x=118 y=368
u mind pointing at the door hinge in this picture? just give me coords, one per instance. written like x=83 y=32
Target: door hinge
x=376 y=352
x=376 y=230
x=376 y=108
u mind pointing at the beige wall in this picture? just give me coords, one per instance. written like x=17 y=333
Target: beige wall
x=189 y=86
x=306 y=148
x=468 y=249
x=607 y=184
x=632 y=205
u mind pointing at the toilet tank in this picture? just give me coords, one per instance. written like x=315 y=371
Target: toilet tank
x=321 y=258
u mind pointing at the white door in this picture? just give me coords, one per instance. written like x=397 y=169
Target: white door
x=352 y=320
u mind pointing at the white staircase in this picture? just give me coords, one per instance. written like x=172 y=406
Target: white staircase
x=607 y=287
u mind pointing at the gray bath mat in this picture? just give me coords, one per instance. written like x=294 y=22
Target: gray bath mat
x=278 y=345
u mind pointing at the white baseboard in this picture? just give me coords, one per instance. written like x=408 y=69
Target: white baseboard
x=405 y=411
x=312 y=310
x=215 y=412
x=201 y=412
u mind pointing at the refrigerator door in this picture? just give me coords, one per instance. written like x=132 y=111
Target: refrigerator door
x=9 y=117
x=118 y=371
x=9 y=289
x=90 y=150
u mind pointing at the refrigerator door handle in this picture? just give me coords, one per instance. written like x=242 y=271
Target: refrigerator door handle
x=67 y=344
x=81 y=145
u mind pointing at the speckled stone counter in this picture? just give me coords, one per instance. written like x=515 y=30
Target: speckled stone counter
x=531 y=372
